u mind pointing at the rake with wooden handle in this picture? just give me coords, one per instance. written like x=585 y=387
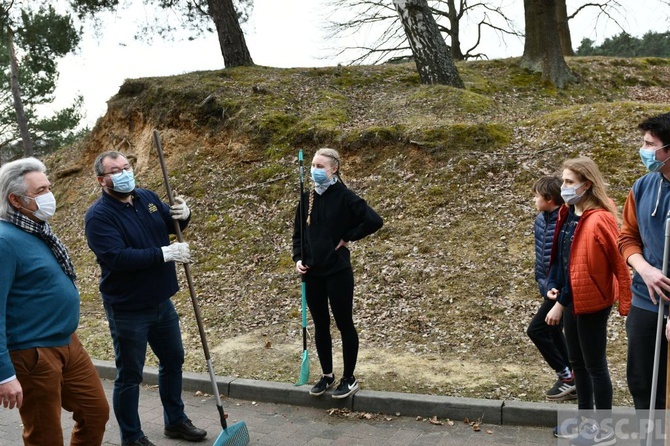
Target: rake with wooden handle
x=237 y=434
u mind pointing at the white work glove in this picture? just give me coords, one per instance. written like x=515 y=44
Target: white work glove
x=179 y=210
x=177 y=252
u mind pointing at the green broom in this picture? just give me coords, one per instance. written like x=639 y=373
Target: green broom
x=304 y=367
x=237 y=434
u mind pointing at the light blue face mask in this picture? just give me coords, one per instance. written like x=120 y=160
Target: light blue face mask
x=124 y=182
x=569 y=194
x=319 y=176
x=649 y=160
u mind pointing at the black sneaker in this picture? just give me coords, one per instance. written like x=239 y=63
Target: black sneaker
x=144 y=441
x=185 y=430
x=569 y=396
x=348 y=386
x=562 y=389
x=325 y=383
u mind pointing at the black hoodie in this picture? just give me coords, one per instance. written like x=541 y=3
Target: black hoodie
x=337 y=214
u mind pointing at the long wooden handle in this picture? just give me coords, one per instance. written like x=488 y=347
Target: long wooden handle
x=189 y=278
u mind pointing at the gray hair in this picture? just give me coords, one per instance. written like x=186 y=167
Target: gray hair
x=12 y=181
x=98 y=168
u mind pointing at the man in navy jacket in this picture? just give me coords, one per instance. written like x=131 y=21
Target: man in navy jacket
x=128 y=230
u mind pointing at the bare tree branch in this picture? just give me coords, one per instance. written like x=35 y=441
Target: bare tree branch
x=608 y=9
x=379 y=19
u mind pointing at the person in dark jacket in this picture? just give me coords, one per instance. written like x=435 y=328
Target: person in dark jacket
x=334 y=217
x=549 y=339
x=128 y=230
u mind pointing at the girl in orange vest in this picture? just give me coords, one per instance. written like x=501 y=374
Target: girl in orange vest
x=587 y=274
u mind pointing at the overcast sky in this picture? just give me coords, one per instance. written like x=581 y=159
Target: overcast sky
x=281 y=33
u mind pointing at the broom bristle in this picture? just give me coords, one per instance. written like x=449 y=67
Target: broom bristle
x=235 y=435
x=304 y=370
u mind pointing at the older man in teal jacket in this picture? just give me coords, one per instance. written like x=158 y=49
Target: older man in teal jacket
x=42 y=364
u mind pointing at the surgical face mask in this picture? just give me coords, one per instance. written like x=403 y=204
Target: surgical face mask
x=319 y=176
x=569 y=194
x=124 y=182
x=46 y=206
x=648 y=157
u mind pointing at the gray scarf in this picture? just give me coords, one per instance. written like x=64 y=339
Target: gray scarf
x=321 y=188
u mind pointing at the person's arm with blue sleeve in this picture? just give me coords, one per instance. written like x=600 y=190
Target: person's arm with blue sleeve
x=109 y=245
x=106 y=238
x=11 y=393
x=555 y=283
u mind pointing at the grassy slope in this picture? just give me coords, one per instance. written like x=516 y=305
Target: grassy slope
x=446 y=286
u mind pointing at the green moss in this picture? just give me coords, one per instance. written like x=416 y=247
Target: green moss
x=525 y=79
x=465 y=136
x=267 y=172
x=656 y=61
x=346 y=77
x=372 y=136
x=623 y=62
x=272 y=127
x=444 y=99
x=309 y=133
x=329 y=118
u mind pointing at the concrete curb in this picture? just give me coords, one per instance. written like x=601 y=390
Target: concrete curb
x=490 y=411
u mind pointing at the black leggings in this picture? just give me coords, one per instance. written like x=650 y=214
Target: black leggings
x=549 y=339
x=586 y=335
x=338 y=289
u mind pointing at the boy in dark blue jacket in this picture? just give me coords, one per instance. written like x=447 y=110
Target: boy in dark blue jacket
x=549 y=340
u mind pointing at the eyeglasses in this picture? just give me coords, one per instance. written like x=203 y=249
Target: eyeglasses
x=117 y=171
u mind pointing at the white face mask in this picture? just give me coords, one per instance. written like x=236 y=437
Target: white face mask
x=46 y=206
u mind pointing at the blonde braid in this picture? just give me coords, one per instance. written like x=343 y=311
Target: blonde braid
x=311 y=205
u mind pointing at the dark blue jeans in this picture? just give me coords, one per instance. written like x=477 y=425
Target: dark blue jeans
x=132 y=331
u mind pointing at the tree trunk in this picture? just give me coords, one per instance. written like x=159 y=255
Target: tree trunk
x=231 y=38
x=454 y=31
x=542 y=48
x=431 y=54
x=21 y=119
x=532 y=47
x=564 y=28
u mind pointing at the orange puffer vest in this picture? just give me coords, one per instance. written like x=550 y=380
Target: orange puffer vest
x=598 y=274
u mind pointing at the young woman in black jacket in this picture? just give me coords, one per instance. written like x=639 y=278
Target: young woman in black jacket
x=333 y=217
